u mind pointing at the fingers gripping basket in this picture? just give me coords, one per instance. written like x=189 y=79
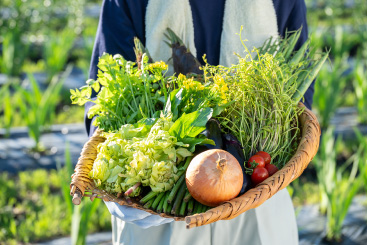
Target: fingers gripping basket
x=81 y=185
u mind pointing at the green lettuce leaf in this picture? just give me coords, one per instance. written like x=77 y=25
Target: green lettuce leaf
x=192 y=124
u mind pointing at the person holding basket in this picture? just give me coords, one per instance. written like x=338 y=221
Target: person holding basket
x=205 y=27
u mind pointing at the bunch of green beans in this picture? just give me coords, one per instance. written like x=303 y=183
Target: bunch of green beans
x=178 y=201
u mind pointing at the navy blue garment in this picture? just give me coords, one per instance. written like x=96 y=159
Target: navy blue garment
x=122 y=20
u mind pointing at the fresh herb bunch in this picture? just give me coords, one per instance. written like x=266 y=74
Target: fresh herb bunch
x=128 y=94
x=266 y=90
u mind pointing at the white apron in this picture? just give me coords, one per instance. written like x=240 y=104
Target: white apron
x=273 y=222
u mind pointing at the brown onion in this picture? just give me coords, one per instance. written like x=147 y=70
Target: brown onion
x=213 y=177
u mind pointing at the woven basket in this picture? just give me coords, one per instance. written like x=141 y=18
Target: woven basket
x=81 y=185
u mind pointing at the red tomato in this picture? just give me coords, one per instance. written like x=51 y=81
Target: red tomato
x=259 y=175
x=257 y=159
x=272 y=169
x=265 y=155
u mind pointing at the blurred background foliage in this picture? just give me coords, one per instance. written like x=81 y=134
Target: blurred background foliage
x=44 y=42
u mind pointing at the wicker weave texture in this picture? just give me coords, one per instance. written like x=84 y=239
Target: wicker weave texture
x=307 y=149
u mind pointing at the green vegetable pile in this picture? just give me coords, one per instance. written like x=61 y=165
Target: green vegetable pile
x=150 y=155
x=152 y=122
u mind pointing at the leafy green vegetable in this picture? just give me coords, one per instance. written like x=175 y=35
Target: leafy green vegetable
x=193 y=96
x=188 y=126
x=127 y=94
x=147 y=154
x=191 y=124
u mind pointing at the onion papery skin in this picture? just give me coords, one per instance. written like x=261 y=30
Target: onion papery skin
x=213 y=177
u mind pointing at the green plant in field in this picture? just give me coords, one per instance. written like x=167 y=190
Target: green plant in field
x=84 y=61
x=325 y=164
x=360 y=88
x=38 y=107
x=6 y=108
x=341 y=43
x=76 y=15
x=32 y=208
x=362 y=140
x=328 y=89
x=14 y=52
x=362 y=33
x=338 y=184
x=303 y=192
x=80 y=214
x=14 y=48
x=56 y=51
x=8 y=226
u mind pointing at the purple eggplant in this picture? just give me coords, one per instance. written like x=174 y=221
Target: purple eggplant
x=183 y=61
x=233 y=146
x=213 y=132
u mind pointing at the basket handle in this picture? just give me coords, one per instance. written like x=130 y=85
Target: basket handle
x=80 y=181
x=77 y=198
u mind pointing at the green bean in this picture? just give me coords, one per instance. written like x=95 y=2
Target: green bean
x=157 y=200
x=200 y=208
x=149 y=196
x=165 y=203
x=183 y=169
x=162 y=201
x=183 y=209
x=175 y=189
x=148 y=204
x=187 y=197
x=180 y=195
x=196 y=207
x=169 y=208
x=190 y=206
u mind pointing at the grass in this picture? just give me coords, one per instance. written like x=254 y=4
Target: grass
x=37 y=107
x=85 y=55
x=33 y=209
x=64 y=115
x=6 y=108
x=80 y=214
x=56 y=51
x=14 y=48
x=363 y=164
x=304 y=192
x=360 y=88
x=338 y=184
x=329 y=12
x=70 y=114
x=328 y=87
